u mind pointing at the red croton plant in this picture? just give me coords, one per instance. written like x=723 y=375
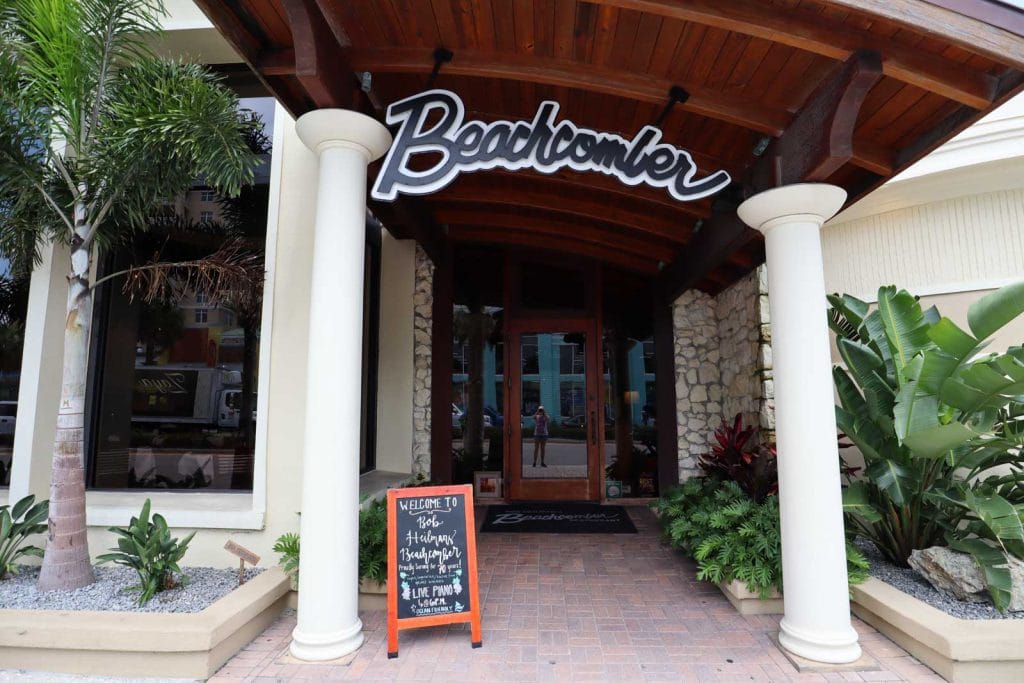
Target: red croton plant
x=738 y=456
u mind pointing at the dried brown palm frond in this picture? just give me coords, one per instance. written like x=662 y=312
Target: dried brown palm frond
x=232 y=275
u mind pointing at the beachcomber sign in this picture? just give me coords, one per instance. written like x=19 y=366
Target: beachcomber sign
x=541 y=144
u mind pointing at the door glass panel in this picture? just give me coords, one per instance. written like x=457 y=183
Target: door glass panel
x=553 y=395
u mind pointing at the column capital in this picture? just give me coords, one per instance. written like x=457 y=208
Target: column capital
x=323 y=129
x=800 y=202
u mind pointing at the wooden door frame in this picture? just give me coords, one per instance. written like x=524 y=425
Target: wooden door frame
x=553 y=489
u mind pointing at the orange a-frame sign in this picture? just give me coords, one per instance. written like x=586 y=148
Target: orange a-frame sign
x=431 y=560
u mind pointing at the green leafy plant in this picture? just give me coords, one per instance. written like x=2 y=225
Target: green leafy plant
x=287 y=546
x=736 y=456
x=940 y=426
x=25 y=519
x=731 y=536
x=373 y=541
x=147 y=547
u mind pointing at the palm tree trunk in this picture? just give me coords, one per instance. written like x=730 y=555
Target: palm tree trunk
x=66 y=564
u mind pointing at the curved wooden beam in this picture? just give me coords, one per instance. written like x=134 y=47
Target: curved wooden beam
x=569 y=73
x=484 y=235
x=589 y=232
x=808 y=30
x=632 y=216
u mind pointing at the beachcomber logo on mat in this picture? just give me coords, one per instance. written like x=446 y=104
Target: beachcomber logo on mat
x=458 y=146
x=545 y=516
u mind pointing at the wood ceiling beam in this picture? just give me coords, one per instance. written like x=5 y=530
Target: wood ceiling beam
x=719 y=237
x=316 y=51
x=819 y=141
x=569 y=73
x=808 y=30
x=966 y=26
x=550 y=226
x=486 y=235
x=579 y=75
x=633 y=218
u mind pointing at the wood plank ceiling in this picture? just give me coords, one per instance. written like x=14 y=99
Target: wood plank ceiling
x=849 y=92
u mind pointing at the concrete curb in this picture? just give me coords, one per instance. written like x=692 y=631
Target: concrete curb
x=140 y=644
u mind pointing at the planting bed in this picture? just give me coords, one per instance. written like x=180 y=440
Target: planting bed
x=912 y=583
x=111 y=591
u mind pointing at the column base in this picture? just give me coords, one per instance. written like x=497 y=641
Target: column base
x=837 y=648
x=318 y=647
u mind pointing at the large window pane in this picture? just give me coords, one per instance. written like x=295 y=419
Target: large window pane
x=13 y=305
x=173 y=382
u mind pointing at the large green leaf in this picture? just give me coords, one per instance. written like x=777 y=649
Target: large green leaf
x=948 y=336
x=895 y=480
x=934 y=442
x=992 y=311
x=998 y=515
x=857 y=501
x=905 y=327
x=867 y=367
x=993 y=567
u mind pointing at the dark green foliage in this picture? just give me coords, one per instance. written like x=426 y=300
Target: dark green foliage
x=731 y=536
x=287 y=546
x=27 y=518
x=939 y=426
x=736 y=456
x=147 y=547
x=373 y=541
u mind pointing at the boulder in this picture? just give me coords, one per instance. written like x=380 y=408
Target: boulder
x=958 y=575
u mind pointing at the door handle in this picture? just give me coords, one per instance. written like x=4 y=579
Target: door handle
x=593 y=427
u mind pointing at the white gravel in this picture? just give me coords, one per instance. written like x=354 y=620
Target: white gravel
x=110 y=591
x=912 y=583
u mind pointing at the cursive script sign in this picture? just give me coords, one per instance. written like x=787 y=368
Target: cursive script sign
x=541 y=144
x=431 y=560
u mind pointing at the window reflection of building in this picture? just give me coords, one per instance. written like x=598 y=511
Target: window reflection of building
x=179 y=412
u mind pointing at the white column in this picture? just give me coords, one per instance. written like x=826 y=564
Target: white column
x=328 y=619
x=816 y=624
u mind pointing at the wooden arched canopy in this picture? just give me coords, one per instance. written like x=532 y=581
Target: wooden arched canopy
x=848 y=91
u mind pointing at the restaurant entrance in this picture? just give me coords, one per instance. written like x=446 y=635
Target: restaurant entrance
x=553 y=377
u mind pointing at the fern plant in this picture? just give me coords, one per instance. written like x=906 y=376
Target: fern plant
x=731 y=536
x=373 y=542
x=287 y=546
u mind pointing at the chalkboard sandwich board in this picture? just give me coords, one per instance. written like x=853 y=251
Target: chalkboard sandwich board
x=432 y=576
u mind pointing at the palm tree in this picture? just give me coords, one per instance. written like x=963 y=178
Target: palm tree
x=95 y=133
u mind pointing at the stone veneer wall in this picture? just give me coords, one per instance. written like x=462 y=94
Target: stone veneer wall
x=698 y=385
x=723 y=364
x=423 y=304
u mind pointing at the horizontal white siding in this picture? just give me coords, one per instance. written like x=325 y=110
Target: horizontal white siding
x=953 y=245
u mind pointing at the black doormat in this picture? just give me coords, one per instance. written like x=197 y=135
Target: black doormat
x=558 y=518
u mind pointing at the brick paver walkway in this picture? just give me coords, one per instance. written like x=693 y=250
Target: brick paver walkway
x=577 y=608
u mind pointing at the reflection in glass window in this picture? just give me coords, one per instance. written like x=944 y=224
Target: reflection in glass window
x=13 y=307
x=173 y=396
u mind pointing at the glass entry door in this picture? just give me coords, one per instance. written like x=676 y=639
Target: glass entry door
x=553 y=444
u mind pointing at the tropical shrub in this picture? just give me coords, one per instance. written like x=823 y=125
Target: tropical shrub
x=736 y=456
x=287 y=546
x=373 y=544
x=731 y=536
x=25 y=519
x=147 y=547
x=941 y=428
x=373 y=541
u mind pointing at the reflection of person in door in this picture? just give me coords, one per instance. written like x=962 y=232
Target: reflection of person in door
x=540 y=435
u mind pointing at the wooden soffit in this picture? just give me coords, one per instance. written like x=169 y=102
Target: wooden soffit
x=847 y=91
